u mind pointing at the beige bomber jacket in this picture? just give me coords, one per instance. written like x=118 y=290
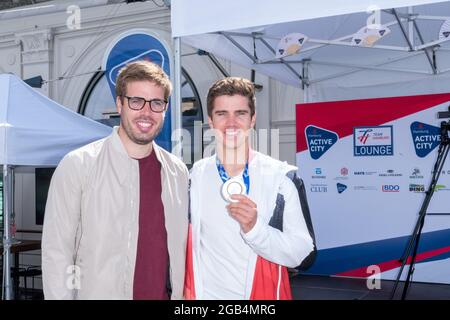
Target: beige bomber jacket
x=91 y=222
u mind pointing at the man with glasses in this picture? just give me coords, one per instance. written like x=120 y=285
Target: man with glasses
x=115 y=224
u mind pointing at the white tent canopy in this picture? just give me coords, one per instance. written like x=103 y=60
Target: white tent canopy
x=410 y=57
x=329 y=63
x=35 y=131
x=234 y=14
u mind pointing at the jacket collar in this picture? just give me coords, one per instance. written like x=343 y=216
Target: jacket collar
x=122 y=161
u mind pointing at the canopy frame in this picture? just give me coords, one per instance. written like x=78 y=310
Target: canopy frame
x=297 y=67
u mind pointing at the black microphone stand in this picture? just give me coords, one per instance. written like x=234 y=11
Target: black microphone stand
x=413 y=242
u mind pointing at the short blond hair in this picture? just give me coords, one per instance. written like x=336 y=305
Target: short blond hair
x=142 y=70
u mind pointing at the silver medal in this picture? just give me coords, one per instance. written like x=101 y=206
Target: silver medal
x=232 y=186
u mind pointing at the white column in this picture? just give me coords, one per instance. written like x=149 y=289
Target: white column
x=37 y=56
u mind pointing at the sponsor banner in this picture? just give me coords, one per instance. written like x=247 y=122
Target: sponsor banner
x=367 y=165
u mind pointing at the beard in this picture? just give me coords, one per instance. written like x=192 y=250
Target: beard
x=142 y=138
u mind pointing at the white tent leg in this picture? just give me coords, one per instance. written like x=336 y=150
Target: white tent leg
x=306 y=94
x=176 y=106
x=6 y=294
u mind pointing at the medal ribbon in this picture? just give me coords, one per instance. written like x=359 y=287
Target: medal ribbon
x=224 y=175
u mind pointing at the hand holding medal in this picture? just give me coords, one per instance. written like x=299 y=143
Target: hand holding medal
x=234 y=190
x=244 y=211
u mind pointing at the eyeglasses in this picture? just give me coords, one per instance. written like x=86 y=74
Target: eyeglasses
x=137 y=103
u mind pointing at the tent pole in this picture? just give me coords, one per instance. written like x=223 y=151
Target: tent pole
x=6 y=294
x=305 y=80
x=430 y=59
x=176 y=106
x=306 y=94
x=410 y=25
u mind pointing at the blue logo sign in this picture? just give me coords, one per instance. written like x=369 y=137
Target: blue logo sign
x=319 y=140
x=373 y=141
x=341 y=187
x=425 y=138
x=138 y=45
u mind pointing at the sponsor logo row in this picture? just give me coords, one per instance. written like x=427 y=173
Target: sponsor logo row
x=345 y=173
x=373 y=141
x=388 y=188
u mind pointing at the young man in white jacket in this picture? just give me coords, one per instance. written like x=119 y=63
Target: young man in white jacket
x=246 y=219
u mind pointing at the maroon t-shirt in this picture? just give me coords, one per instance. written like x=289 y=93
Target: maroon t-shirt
x=152 y=257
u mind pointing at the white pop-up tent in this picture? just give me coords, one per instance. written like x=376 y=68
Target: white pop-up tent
x=35 y=131
x=412 y=56
x=341 y=50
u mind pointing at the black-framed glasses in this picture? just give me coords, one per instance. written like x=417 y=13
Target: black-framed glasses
x=137 y=103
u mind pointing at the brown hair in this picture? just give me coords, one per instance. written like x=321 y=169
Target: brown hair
x=142 y=71
x=231 y=86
